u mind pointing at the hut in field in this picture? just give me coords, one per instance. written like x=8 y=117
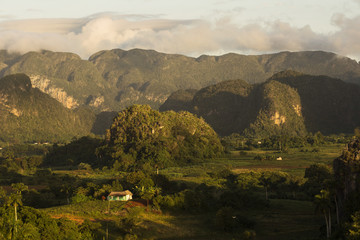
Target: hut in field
x=120 y=196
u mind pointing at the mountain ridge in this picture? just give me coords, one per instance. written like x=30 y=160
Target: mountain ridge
x=111 y=80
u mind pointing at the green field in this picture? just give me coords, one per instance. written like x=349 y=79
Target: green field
x=293 y=162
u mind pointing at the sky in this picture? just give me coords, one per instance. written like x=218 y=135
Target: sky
x=189 y=27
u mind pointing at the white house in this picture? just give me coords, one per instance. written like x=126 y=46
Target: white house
x=120 y=196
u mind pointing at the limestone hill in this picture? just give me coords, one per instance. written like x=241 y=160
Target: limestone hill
x=27 y=114
x=288 y=103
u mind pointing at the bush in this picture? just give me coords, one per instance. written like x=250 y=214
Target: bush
x=164 y=202
x=175 y=201
x=84 y=166
x=78 y=198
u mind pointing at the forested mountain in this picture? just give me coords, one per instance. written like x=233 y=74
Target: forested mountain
x=27 y=114
x=289 y=103
x=111 y=80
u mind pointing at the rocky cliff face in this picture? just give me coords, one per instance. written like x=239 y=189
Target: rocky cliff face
x=59 y=94
x=7 y=107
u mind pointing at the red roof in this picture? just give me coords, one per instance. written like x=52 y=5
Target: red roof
x=123 y=193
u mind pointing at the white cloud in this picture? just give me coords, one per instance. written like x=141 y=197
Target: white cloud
x=190 y=37
x=347 y=39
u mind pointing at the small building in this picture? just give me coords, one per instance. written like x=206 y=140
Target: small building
x=279 y=158
x=120 y=196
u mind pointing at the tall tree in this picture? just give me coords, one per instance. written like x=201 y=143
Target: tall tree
x=323 y=205
x=15 y=200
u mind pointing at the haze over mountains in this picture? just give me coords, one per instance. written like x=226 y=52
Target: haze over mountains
x=91 y=91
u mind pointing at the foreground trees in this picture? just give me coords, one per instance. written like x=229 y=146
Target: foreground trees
x=323 y=205
x=22 y=222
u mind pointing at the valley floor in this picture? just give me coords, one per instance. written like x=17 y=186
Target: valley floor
x=282 y=219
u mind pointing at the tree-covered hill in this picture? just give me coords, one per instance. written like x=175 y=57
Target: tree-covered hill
x=289 y=103
x=27 y=114
x=142 y=136
x=114 y=79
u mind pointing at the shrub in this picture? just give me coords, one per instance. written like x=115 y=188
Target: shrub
x=78 y=198
x=84 y=166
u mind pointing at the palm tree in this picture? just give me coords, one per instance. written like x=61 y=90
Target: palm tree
x=19 y=187
x=323 y=205
x=15 y=200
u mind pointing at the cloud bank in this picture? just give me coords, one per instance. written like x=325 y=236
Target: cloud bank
x=189 y=37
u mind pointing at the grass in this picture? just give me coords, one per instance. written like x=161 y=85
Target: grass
x=294 y=162
x=282 y=219
x=176 y=227
x=288 y=219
